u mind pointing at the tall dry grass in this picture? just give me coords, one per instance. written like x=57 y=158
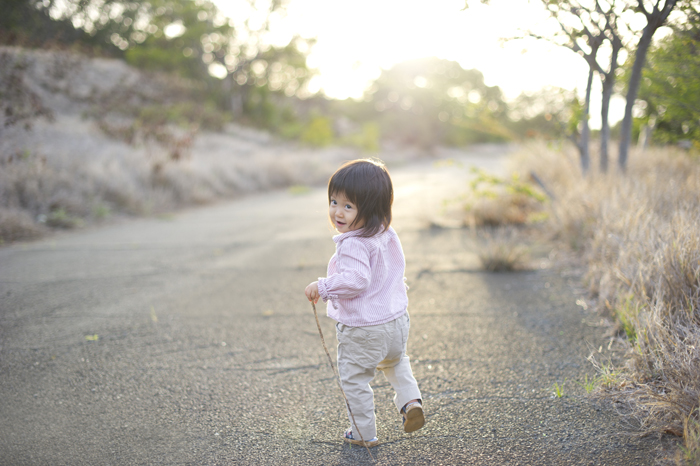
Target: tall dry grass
x=500 y=249
x=85 y=178
x=639 y=234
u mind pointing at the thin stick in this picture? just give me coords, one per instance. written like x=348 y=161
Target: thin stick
x=318 y=324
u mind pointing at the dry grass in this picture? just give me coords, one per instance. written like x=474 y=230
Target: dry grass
x=62 y=189
x=502 y=209
x=495 y=209
x=640 y=237
x=494 y=201
x=690 y=453
x=500 y=249
x=66 y=172
x=16 y=225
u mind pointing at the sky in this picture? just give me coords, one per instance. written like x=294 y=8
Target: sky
x=356 y=39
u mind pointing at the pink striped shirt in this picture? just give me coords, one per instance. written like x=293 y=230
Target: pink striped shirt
x=365 y=284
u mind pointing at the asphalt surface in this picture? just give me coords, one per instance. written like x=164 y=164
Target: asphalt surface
x=187 y=339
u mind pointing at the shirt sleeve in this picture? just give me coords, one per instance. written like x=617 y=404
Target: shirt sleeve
x=354 y=272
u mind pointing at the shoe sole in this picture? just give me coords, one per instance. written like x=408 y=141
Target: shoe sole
x=414 y=420
x=371 y=443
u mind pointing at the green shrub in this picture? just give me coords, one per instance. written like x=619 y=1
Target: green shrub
x=367 y=139
x=318 y=133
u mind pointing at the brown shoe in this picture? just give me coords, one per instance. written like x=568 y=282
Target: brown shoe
x=348 y=438
x=413 y=417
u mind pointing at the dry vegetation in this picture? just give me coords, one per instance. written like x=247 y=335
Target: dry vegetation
x=501 y=250
x=92 y=138
x=497 y=209
x=62 y=190
x=639 y=235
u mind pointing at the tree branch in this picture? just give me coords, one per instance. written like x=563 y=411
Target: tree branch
x=640 y=3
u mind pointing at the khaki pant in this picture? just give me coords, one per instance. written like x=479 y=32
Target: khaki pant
x=363 y=350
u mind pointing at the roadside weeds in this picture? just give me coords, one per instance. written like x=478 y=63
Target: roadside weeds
x=638 y=235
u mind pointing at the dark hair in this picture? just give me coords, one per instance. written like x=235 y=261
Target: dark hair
x=367 y=184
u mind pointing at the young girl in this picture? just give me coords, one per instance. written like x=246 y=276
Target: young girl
x=366 y=295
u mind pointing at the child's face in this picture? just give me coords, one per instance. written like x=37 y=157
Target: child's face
x=343 y=213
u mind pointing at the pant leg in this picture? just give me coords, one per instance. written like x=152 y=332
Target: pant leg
x=397 y=365
x=359 y=352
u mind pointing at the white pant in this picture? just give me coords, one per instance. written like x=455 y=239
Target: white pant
x=363 y=350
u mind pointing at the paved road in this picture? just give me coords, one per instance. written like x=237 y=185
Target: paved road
x=187 y=340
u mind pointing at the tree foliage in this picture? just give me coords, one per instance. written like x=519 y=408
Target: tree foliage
x=549 y=114
x=29 y=23
x=428 y=101
x=232 y=59
x=655 y=13
x=670 y=89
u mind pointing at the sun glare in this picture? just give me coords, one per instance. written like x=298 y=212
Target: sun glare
x=356 y=39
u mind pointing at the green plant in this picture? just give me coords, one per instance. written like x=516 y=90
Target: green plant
x=101 y=210
x=589 y=385
x=558 y=389
x=367 y=139
x=318 y=133
x=690 y=450
x=291 y=130
x=59 y=218
x=299 y=189
x=486 y=184
x=498 y=201
x=608 y=377
x=626 y=314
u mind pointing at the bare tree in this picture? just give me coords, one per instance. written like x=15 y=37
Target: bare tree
x=656 y=16
x=595 y=24
x=613 y=35
x=583 y=30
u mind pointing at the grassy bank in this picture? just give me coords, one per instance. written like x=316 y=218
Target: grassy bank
x=69 y=175
x=639 y=236
x=84 y=139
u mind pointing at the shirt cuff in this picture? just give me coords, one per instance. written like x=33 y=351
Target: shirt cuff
x=323 y=292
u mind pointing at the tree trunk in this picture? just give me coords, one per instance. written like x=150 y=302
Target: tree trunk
x=605 y=125
x=632 y=90
x=585 y=129
x=654 y=20
x=608 y=85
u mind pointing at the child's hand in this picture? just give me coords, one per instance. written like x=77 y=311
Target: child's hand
x=312 y=292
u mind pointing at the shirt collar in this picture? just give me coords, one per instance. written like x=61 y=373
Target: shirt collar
x=338 y=238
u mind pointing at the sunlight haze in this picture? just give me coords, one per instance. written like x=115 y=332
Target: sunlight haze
x=356 y=39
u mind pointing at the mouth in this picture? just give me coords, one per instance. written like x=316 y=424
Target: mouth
x=339 y=223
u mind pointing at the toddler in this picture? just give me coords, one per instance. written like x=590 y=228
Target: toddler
x=366 y=296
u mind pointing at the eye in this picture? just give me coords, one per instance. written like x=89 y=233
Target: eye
x=348 y=206
x=334 y=202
